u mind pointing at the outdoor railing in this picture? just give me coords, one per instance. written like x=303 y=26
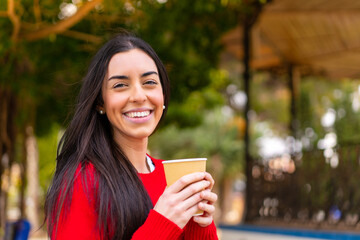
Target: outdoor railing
x=309 y=188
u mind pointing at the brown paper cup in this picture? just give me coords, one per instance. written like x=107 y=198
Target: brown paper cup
x=175 y=169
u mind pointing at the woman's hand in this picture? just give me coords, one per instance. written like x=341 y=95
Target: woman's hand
x=207 y=205
x=180 y=201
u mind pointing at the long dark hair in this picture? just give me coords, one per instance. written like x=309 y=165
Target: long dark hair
x=122 y=203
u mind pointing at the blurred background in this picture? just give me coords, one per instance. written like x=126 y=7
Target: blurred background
x=268 y=91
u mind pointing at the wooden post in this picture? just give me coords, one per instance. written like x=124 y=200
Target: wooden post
x=293 y=75
x=246 y=79
x=248 y=19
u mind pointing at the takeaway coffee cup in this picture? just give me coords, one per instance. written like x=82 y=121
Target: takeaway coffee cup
x=175 y=169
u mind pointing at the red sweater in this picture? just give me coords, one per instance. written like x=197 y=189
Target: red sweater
x=82 y=218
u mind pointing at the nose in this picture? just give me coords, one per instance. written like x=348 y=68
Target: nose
x=137 y=94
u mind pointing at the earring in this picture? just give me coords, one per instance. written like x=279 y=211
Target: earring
x=101 y=112
x=164 y=107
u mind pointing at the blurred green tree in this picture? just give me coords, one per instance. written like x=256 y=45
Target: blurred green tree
x=218 y=139
x=45 y=47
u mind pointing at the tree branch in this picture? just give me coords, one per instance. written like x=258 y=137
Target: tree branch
x=68 y=33
x=63 y=25
x=37 y=11
x=82 y=36
x=14 y=19
x=3 y=14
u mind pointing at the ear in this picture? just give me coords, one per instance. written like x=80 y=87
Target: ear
x=100 y=105
x=100 y=110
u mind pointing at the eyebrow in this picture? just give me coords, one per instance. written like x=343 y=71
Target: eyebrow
x=126 y=77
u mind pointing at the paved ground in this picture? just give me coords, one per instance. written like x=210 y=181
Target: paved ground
x=229 y=235
x=235 y=235
x=244 y=235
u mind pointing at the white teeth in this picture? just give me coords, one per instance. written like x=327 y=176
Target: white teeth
x=138 y=114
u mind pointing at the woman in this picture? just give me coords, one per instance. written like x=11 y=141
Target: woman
x=105 y=185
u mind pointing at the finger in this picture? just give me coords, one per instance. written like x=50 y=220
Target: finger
x=209 y=196
x=205 y=196
x=187 y=180
x=207 y=208
x=193 y=208
x=193 y=191
x=179 y=212
x=209 y=178
x=197 y=202
x=203 y=221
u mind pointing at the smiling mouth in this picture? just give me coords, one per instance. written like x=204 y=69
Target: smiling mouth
x=138 y=114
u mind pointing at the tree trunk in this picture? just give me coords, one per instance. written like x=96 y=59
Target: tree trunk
x=32 y=173
x=7 y=143
x=23 y=175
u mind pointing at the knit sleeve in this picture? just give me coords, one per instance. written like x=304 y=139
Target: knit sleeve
x=157 y=227
x=193 y=231
x=79 y=222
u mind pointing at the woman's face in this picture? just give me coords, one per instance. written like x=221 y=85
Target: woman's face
x=132 y=95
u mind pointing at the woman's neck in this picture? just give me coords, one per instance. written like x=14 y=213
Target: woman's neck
x=136 y=152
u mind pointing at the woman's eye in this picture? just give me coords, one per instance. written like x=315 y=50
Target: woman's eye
x=119 y=85
x=151 y=82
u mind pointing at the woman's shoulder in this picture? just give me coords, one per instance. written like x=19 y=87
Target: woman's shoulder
x=85 y=176
x=85 y=167
x=85 y=170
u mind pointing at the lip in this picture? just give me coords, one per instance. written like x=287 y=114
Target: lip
x=138 y=119
x=143 y=109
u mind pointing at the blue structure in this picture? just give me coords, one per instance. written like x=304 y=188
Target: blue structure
x=295 y=232
x=18 y=230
